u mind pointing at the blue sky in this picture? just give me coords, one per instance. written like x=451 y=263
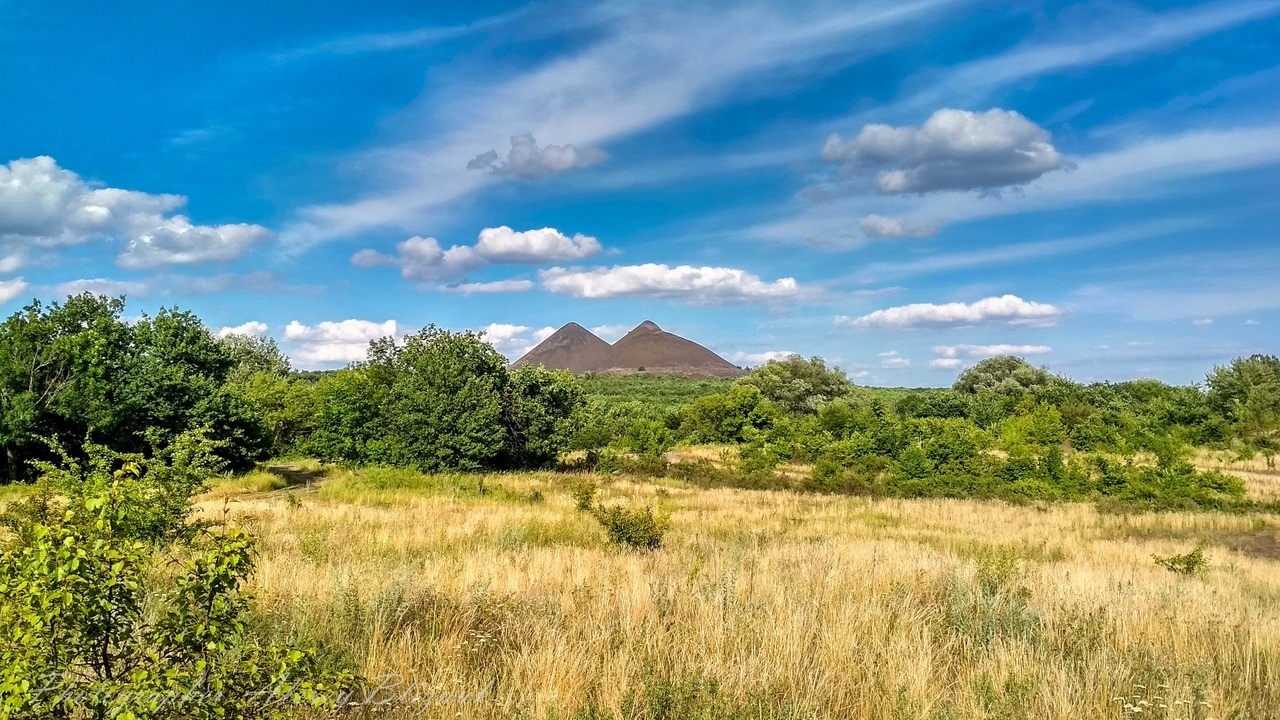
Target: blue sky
x=900 y=187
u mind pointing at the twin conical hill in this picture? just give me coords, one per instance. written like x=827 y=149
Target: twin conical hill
x=646 y=348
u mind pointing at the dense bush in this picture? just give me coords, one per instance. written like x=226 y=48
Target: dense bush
x=115 y=606
x=443 y=401
x=77 y=370
x=799 y=385
x=637 y=527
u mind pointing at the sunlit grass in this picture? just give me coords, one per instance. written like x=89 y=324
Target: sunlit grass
x=767 y=604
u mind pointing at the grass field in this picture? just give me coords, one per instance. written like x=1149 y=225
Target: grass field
x=764 y=604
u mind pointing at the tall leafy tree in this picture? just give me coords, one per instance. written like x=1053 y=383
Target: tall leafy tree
x=76 y=370
x=1005 y=374
x=1246 y=394
x=799 y=385
x=59 y=364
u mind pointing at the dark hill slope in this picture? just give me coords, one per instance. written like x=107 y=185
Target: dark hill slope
x=573 y=348
x=657 y=351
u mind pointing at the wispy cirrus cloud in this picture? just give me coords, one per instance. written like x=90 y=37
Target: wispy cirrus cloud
x=645 y=69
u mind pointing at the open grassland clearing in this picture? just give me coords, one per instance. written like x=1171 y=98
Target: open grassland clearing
x=767 y=604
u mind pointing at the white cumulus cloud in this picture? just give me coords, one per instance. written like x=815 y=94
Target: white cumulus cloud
x=504 y=246
x=759 y=358
x=330 y=343
x=1009 y=309
x=426 y=260
x=514 y=340
x=253 y=328
x=10 y=289
x=611 y=333
x=953 y=150
x=45 y=206
x=877 y=226
x=696 y=285
x=528 y=161
x=175 y=241
x=422 y=258
x=893 y=361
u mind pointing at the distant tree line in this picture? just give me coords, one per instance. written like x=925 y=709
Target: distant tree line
x=77 y=371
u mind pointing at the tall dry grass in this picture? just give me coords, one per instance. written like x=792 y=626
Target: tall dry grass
x=764 y=604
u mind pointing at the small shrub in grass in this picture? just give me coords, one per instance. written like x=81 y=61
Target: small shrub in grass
x=1186 y=564
x=584 y=494
x=639 y=528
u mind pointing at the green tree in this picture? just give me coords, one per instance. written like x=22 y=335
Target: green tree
x=350 y=418
x=798 y=385
x=1246 y=394
x=1002 y=374
x=444 y=400
x=59 y=365
x=174 y=381
x=648 y=438
x=287 y=407
x=445 y=408
x=251 y=355
x=727 y=417
x=540 y=407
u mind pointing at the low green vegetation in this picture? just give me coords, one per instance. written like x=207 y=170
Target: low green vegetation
x=440 y=401
x=116 y=604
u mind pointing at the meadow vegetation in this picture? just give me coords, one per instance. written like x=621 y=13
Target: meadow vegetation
x=524 y=543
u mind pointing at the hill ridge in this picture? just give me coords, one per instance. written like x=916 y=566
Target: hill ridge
x=646 y=348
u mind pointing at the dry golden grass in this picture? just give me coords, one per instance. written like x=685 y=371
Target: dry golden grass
x=1260 y=478
x=794 y=605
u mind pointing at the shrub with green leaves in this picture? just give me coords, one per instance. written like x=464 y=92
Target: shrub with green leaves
x=1186 y=564
x=633 y=527
x=114 y=606
x=584 y=494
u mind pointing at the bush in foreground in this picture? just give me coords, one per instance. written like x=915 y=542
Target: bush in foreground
x=115 y=606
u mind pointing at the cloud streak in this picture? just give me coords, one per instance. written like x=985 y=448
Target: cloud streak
x=695 y=285
x=645 y=69
x=1005 y=309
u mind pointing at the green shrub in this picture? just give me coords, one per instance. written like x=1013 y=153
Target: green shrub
x=1190 y=563
x=638 y=527
x=98 y=623
x=584 y=493
x=648 y=437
